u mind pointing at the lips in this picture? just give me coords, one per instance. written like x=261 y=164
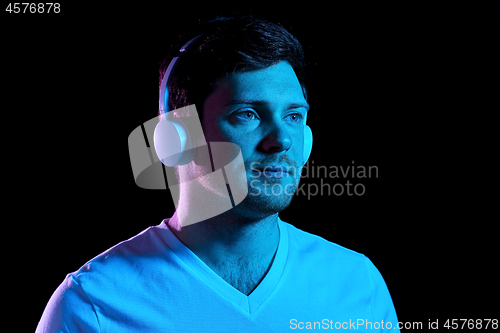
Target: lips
x=271 y=168
x=272 y=171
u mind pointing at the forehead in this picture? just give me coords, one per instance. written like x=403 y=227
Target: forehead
x=276 y=85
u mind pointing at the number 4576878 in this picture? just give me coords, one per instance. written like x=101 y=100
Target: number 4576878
x=33 y=7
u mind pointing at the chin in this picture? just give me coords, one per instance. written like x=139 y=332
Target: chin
x=262 y=203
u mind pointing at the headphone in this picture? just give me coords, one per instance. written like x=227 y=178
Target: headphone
x=174 y=144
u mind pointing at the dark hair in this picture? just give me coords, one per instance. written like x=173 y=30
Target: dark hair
x=228 y=45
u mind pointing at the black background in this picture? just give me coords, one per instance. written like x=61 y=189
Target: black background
x=408 y=87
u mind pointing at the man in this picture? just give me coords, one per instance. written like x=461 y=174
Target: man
x=243 y=270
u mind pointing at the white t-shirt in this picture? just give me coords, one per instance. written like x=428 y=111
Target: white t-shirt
x=154 y=283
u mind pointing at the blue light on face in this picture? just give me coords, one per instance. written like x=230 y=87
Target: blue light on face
x=264 y=113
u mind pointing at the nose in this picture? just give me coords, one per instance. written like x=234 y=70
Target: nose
x=277 y=140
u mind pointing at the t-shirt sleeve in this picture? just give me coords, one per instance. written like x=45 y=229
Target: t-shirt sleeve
x=382 y=305
x=68 y=310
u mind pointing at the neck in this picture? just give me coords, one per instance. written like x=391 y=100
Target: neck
x=240 y=250
x=207 y=223
x=223 y=238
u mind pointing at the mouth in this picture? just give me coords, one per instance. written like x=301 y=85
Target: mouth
x=271 y=172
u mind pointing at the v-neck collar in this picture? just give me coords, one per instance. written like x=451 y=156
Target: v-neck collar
x=248 y=303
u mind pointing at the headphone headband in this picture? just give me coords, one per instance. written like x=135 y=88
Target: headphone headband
x=163 y=102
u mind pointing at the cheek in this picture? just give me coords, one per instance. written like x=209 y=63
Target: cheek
x=247 y=141
x=221 y=131
x=298 y=143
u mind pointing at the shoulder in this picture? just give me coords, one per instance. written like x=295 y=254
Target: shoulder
x=316 y=254
x=69 y=310
x=346 y=272
x=121 y=260
x=101 y=281
x=322 y=259
x=316 y=246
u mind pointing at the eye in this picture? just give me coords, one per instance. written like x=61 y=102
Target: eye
x=247 y=115
x=295 y=117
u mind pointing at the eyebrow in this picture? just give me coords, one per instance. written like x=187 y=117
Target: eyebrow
x=262 y=102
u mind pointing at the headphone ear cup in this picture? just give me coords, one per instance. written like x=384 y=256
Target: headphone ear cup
x=308 y=142
x=173 y=143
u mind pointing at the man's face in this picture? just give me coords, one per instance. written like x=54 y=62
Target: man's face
x=263 y=112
